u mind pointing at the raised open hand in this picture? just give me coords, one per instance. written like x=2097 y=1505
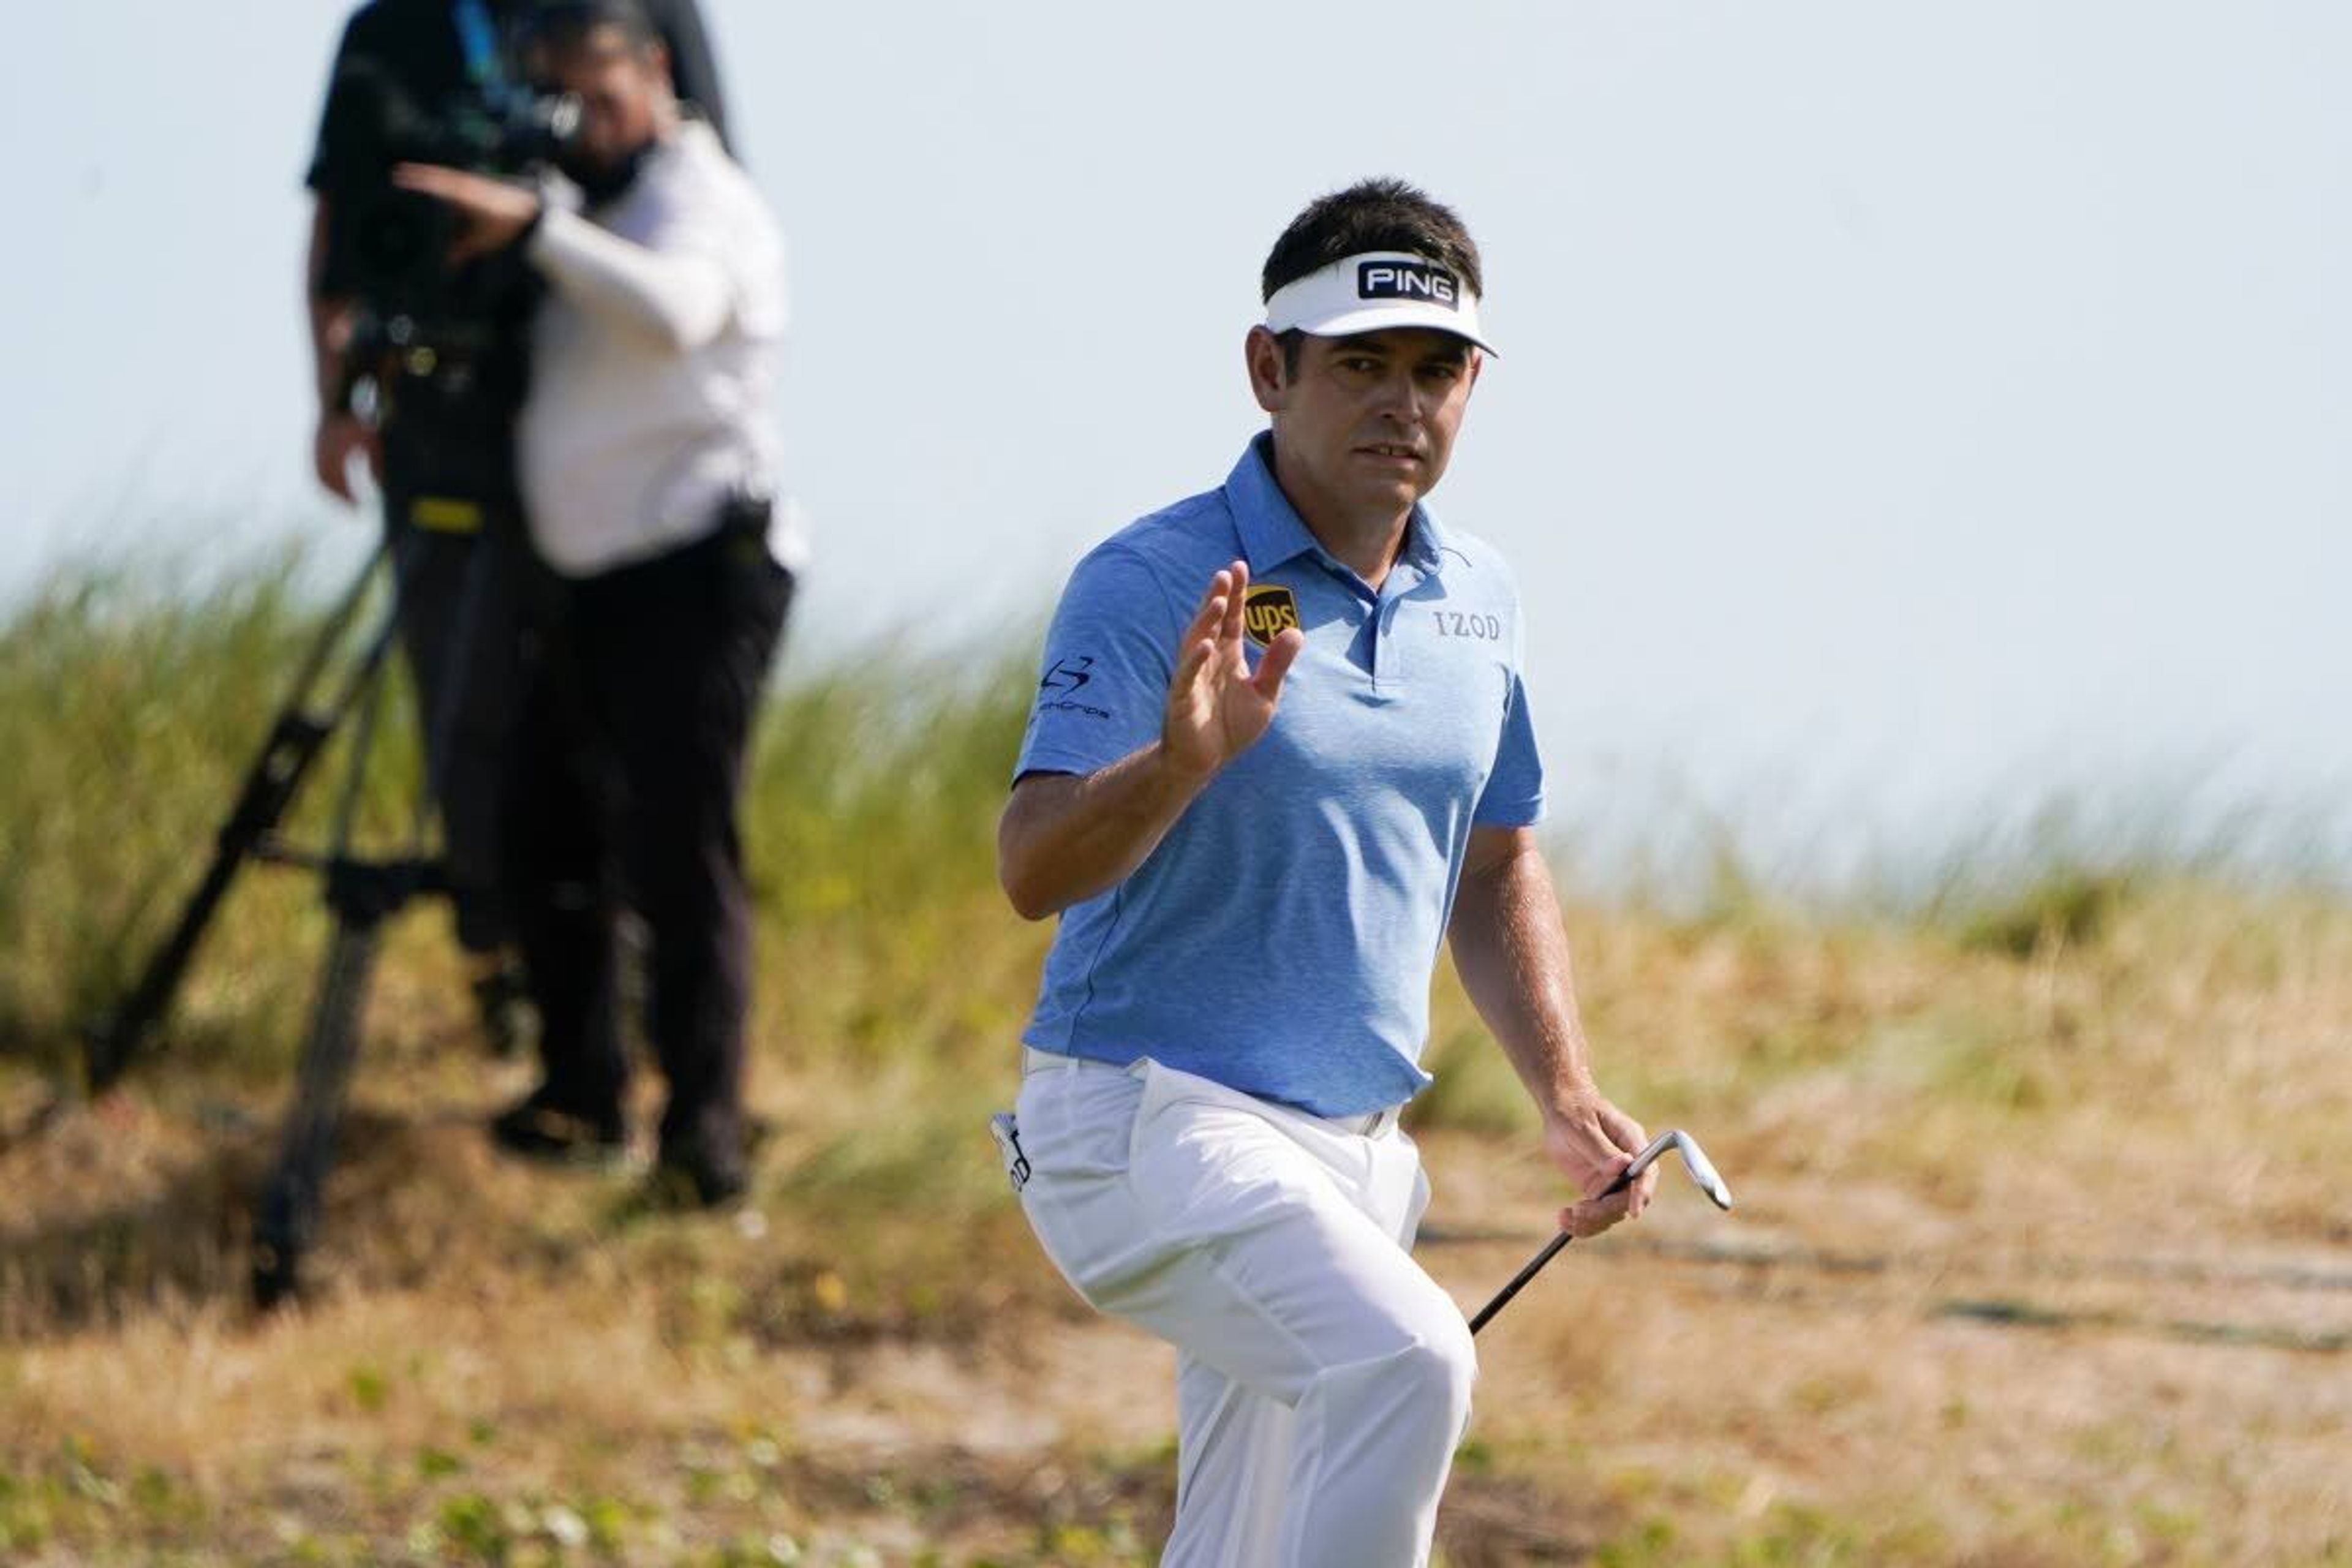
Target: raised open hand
x=1216 y=708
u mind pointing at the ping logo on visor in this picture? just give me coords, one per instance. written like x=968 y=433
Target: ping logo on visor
x=1404 y=280
x=1267 y=611
x=1374 y=291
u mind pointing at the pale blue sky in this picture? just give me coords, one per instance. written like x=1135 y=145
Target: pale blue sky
x=1903 y=404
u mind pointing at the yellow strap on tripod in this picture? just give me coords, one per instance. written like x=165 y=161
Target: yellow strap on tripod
x=445 y=514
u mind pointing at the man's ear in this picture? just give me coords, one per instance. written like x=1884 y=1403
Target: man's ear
x=1261 y=351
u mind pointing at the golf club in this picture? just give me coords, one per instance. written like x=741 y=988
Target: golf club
x=1695 y=1160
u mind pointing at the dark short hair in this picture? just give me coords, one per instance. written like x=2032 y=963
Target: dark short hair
x=1372 y=214
x=563 y=24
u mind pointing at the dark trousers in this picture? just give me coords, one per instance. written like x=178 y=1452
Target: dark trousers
x=628 y=762
x=460 y=629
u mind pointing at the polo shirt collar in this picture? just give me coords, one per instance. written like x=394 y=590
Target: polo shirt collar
x=1272 y=532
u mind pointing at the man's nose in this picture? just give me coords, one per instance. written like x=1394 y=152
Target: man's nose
x=1399 y=397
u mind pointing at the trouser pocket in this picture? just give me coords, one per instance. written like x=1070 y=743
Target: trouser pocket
x=1006 y=1130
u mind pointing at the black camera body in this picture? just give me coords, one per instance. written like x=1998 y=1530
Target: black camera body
x=388 y=247
x=439 y=351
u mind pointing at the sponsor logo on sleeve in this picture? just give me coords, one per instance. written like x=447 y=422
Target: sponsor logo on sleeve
x=1063 y=682
x=1269 y=610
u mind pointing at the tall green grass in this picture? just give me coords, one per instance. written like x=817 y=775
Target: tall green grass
x=870 y=820
x=129 y=712
x=130 y=709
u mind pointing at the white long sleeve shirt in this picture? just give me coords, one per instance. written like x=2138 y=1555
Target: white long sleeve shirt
x=653 y=361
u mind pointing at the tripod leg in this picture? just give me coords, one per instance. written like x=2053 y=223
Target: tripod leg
x=287 y=1218
x=361 y=895
x=295 y=740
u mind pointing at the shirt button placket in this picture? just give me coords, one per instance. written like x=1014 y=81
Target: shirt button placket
x=1390 y=649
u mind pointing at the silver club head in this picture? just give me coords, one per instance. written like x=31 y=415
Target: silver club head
x=1695 y=1160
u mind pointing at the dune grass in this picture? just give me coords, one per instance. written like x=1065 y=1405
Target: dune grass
x=2041 y=1256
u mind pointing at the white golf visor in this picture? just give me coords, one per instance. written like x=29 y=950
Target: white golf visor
x=1373 y=292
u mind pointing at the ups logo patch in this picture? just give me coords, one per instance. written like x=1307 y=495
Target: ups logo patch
x=1269 y=610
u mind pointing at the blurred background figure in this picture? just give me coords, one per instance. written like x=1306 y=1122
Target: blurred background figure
x=646 y=466
x=420 y=367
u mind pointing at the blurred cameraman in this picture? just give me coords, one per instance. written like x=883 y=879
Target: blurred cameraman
x=647 y=459
x=420 y=369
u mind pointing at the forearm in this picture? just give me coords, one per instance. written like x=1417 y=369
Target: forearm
x=681 y=300
x=1512 y=955
x=1066 y=837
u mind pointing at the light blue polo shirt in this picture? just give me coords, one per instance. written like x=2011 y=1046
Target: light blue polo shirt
x=1282 y=937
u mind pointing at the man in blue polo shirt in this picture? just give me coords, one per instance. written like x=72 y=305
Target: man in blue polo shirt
x=1280 y=751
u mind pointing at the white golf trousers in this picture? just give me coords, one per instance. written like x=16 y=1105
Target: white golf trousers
x=1323 y=1379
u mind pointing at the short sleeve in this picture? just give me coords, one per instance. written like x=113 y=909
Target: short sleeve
x=1103 y=685
x=1514 y=793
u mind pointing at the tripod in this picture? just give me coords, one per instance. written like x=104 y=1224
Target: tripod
x=361 y=892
